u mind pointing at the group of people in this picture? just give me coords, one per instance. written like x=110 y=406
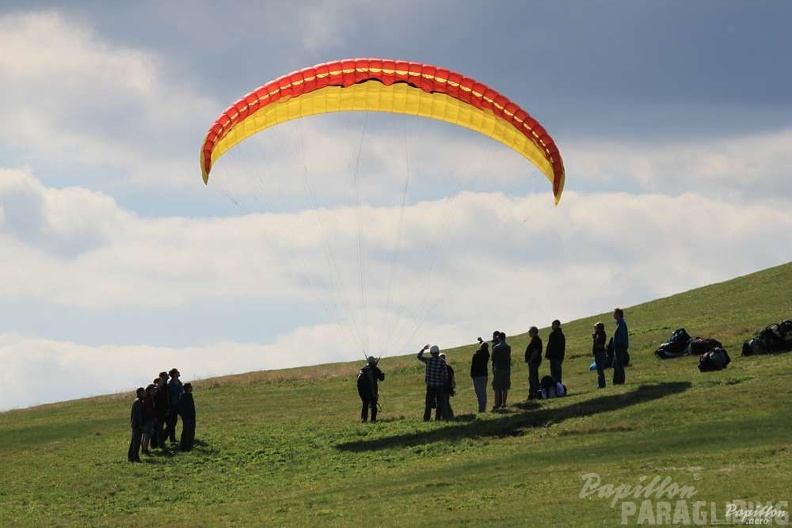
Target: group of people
x=550 y=385
x=156 y=411
x=441 y=384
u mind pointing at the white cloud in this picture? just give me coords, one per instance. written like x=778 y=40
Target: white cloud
x=70 y=96
x=66 y=221
x=116 y=258
x=754 y=167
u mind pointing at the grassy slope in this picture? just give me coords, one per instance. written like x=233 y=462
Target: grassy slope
x=285 y=448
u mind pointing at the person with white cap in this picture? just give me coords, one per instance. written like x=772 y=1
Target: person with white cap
x=368 y=388
x=435 y=378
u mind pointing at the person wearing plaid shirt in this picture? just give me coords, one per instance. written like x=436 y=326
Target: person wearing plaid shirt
x=436 y=375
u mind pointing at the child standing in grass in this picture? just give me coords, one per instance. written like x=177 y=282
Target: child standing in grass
x=599 y=351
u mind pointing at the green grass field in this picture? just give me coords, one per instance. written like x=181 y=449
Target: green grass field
x=285 y=448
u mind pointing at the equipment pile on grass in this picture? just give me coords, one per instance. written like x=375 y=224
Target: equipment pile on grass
x=771 y=339
x=681 y=344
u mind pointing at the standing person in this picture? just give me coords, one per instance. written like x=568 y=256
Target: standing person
x=187 y=409
x=368 y=389
x=149 y=417
x=435 y=378
x=449 y=390
x=556 y=350
x=155 y=438
x=479 y=373
x=136 y=423
x=162 y=406
x=621 y=342
x=501 y=370
x=533 y=356
x=175 y=390
x=600 y=352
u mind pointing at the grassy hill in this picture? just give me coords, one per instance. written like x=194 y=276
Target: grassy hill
x=284 y=448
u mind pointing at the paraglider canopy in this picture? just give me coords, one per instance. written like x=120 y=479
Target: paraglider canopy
x=383 y=85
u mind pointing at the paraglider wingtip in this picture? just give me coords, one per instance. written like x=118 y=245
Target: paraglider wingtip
x=204 y=169
x=558 y=186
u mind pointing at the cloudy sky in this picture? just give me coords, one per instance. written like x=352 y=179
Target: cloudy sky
x=333 y=237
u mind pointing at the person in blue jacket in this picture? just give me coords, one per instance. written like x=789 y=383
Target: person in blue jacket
x=621 y=343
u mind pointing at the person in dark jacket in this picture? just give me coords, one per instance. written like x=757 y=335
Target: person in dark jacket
x=449 y=390
x=533 y=356
x=600 y=352
x=175 y=390
x=479 y=373
x=556 y=349
x=187 y=409
x=368 y=388
x=162 y=407
x=136 y=424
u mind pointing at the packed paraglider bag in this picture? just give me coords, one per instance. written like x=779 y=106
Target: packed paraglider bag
x=700 y=345
x=771 y=339
x=713 y=360
x=676 y=346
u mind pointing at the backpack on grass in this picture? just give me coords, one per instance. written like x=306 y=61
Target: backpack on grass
x=714 y=360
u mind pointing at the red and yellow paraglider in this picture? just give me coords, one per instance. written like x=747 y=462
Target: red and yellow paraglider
x=381 y=85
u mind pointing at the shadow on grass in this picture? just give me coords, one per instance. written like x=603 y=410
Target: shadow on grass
x=172 y=449
x=514 y=421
